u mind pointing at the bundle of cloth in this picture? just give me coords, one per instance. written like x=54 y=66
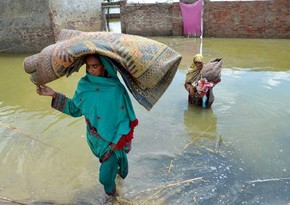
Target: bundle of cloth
x=146 y=66
x=211 y=71
x=210 y=76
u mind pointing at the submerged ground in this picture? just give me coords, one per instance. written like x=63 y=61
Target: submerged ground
x=234 y=153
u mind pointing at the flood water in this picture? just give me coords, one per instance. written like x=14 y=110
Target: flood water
x=237 y=152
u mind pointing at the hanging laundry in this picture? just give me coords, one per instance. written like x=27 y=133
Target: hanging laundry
x=191 y=16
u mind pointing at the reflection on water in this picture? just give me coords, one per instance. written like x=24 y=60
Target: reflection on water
x=200 y=123
x=176 y=157
x=256 y=118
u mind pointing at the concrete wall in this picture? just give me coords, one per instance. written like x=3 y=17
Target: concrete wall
x=25 y=25
x=31 y=25
x=84 y=15
x=251 y=19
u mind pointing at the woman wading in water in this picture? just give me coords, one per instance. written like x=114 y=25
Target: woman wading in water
x=104 y=102
x=200 y=80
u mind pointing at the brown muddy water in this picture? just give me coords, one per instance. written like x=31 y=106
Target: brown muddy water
x=237 y=152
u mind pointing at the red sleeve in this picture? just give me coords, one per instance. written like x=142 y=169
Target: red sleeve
x=128 y=137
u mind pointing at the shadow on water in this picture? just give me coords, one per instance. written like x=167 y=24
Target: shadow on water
x=234 y=153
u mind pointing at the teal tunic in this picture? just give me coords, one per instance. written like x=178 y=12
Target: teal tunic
x=107 y=108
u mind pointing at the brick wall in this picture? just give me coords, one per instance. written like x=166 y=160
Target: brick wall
x=29 y=26
x=251 y=19
x=237 y=19
x=25 y=27
x=147 y=19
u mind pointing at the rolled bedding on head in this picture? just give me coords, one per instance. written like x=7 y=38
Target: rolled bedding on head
x=147 y=66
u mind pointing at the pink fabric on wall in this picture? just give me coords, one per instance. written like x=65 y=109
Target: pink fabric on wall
x=191 y=16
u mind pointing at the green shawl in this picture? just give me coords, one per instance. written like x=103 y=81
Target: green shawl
x=105 y=102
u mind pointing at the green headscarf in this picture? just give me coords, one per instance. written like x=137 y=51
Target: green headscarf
x=105 y=102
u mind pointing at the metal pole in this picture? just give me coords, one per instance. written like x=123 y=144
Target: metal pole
x=201 y=27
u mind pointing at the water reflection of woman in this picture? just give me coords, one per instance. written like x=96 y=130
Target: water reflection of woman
x=200 y=122
x=104 y=102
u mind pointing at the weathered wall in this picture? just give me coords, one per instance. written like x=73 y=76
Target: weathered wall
x=149 y=19
x=84 y=15
x=25 y=26
x=31 y=25
x=252 y=19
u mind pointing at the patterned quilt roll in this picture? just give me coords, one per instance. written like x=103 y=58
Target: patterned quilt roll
x=146 y=66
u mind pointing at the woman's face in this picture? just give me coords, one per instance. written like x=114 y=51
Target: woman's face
x=94 y=66
x=199 y=65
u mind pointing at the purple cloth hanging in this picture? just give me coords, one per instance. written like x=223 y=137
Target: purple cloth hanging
x=191 y=16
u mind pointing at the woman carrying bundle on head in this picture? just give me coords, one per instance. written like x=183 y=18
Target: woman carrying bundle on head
x=200 y=80
x=104 y=102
